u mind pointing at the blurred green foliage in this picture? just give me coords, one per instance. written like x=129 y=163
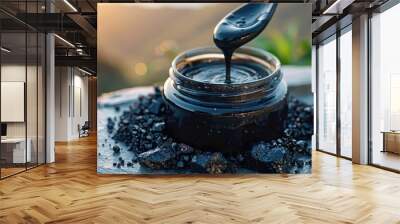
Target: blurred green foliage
x=287 y=46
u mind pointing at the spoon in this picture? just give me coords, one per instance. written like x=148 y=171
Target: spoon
x=239 y=27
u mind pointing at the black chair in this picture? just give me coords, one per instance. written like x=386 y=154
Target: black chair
x=84 y=130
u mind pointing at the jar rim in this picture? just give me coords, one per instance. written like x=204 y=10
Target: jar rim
x=265 y=58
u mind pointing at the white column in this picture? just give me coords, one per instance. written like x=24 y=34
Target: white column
x=50 y=98
x=50 y=92
x=360 y=90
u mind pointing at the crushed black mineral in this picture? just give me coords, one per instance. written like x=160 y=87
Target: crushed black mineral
x=141 y=129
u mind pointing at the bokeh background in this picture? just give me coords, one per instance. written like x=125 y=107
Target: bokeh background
x=137 y=42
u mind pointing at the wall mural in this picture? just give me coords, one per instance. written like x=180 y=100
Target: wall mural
x=204 y=88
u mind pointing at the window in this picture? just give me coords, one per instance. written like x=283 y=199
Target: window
x=385 y=89
x=327 y=96
x=346 y=93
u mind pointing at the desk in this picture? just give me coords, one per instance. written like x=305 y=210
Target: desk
x=15 y=148
x=391 y=141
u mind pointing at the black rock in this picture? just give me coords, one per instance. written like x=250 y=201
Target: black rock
x=240 y=158
x=218 y=164
x=303 y=146
x=155 y=106
x=110 y=125
x=148 y=146
x=121 y=161
x=180 y=164
x=199 y=162
x=301 y=164
x=184 y=149
x=116 y=149
x=157 y=91
x=129 y=164
x=267 y=159
x=134 y=158
x=159 y=126
x=159 y=158
x=214 y=163
x=186 y=158
x=302 y=161
x=142 y=129
x=299 y=123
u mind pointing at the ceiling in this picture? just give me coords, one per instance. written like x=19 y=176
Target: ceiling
x=332 y=15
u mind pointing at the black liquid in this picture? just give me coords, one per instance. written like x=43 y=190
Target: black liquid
x=239 y=27
x=214 y=72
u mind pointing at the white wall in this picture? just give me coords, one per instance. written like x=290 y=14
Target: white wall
x=71 y=94
x=12 y=73
x=80 y=110
x=62 y=81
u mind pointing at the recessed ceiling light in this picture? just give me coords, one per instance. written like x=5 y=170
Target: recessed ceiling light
x=64 y=40
x=70 y=5
x=84 y=71
x=338 y=6
x=5 y=50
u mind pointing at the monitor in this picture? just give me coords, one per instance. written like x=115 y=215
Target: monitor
x=3 y=129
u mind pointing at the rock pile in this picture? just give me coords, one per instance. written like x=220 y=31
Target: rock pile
x=141 y=129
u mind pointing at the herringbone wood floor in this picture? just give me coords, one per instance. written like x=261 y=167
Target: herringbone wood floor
x=70 y=191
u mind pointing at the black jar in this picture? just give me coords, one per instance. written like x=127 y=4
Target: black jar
x=225 y=117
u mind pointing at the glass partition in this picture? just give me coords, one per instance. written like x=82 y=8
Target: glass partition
x=32 y=86
x=23 y=91
x=14 y=153
x=31 y=99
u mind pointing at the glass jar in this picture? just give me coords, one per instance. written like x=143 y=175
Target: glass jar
x=225 y=117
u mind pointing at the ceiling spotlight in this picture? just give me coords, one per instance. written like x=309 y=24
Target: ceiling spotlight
x=65 y=41
x=5 y=50
x=79 y=51
x=337 y=7
x=84 y=71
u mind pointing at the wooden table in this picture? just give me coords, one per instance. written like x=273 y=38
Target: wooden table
x=13 y=150
x=391 y=141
